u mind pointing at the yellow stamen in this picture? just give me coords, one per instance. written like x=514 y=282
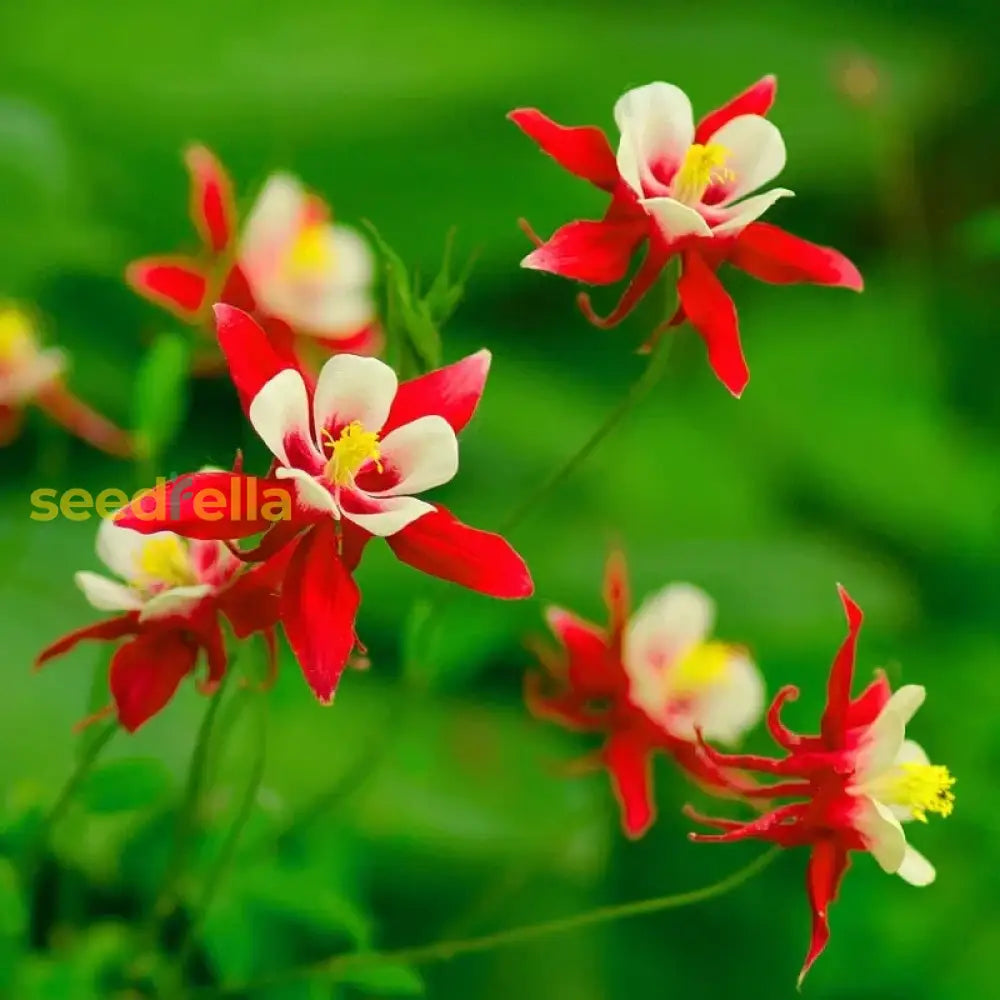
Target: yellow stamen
x=700 y=665
x=353 y=449
x=17 y=339
x=922 y=788
x=702 y=166
x=165 y=560
x=311 y=254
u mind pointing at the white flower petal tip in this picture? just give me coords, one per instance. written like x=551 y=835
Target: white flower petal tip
x=178 y=602
x=281 y=410
x=107 y=595
x=740 y=215
x=916 y=869
x=676 y=219
x=425 y=454
x=354 y=388
x=394 y=514
x=755 y=153
x=310 y=493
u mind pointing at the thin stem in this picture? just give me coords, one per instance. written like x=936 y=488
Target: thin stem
x=652 y=374
x=445 y=950
x=228 y=850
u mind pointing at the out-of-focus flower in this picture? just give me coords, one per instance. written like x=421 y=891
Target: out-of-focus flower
x=291 y=267
x=167 y=602
x=351 y=454
x=648 y=682
x=681 y=189
x=854 y=784
x=32 y=375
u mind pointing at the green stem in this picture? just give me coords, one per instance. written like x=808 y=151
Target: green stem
x=444 y=950
x=652 y=374
x=228 y=850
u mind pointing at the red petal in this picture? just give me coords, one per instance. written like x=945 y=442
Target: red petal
x=827 y=865
x=755 y=100
x=319 y=602
x=713 y=314
x=252 y=603
x=589 y=660
x=176 y=283
x=452 y=392
x=11 y=418
x=236 y=290
x=838 y=692
x=565 y=709
x=657 y=255
x=632 y=781
x=616 y=597
x=582 y=150
x=213 y=641
x=597 y=252
x=865 y=708
x=352 y=544
x=209 y=505
x=63 y=407
x=771 y=254
x=145 y=673
x=106 y=631
x=252 y=357
x=439 y=544
x=211 y=206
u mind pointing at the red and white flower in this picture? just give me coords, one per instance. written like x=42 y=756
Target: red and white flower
x=32 y=375
x=168 y=599
x=649 y=682
x=681 y=189
x=854 y=784
x=351 y=454
x=291 y=267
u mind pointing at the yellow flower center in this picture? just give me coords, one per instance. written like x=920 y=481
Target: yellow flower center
x=700 y=665
x=17 y=341
x=353 y=449
x=166 y=561
x=922 y=788
x=311 y=254
x=702 y=166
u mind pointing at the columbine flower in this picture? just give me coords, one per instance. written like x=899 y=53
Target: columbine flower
x=169 y=606
x=351 y=454
x=290 y=267
x=649 y=683
x=681 y=189
x=855 y=784
x=31 y=375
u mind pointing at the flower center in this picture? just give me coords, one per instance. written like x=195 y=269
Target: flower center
x=700 y=666
x=354 y=448
x=922 y=788
x=311 y=254
x=702 y=166
x=16 y=339
x=166 y=561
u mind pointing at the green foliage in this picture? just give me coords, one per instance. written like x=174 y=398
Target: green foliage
x=160 y=400
x=384 y=980
x=126 y=785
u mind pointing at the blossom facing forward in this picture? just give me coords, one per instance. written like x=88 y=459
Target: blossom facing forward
x=687 y=190
x=853 y=785
x=33 y=375
x=291 y=266
x=351 y=453
x=168 y=600
x=649 y=682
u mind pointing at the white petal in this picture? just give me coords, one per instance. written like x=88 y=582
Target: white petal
x=22 y=381
x=736 y=217
x=353 y=258
x=756 y=153
x=335 y=314
x=354 y=388
x=882 y=833
x=657 y=127
x=676 y=616
x=676 y=219
x=120 y=549
x=281 y=410
x=271 y=228
x=424 y=451
x=880 y=746
x=178 y=601
x=107 y=595
x=911 y=752
x=395 y=514
x=915 y=868
x=728 y=709
x=310 y=492
x=906 y=701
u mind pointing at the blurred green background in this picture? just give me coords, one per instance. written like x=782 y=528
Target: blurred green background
x=864 y=451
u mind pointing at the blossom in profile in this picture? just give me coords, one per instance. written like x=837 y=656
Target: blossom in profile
x=168 y=599
x=681 y=189
x=853 y=785
x=352 y=453
x=301 y=275
x=31 y=375
x=648 y=682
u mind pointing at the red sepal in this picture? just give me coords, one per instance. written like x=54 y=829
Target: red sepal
x=595 y=252
x=211 y=206
x=755 y=100
x=250 y=353
x=827 y=864
x=582 y=150
x=838 y=693
x=771 y=254
x=57 y=402
x=179 y=284
x=104 y=631
x=629 y=765
x=145 y=674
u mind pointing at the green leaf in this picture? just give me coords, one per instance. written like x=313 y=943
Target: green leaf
x=385 y=980
x=160 y=399
x=125 y=785
x=13 y=924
